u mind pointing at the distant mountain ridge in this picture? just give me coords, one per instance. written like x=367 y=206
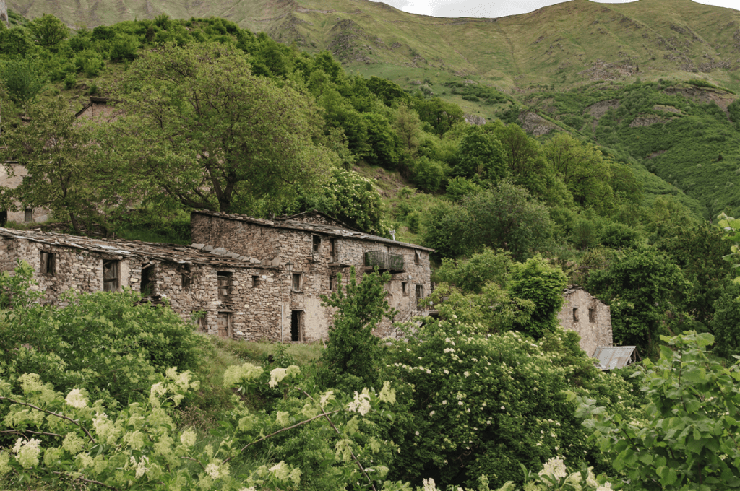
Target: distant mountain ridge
x=563 y=45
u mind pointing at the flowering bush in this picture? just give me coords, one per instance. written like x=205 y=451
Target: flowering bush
x=486 y=404
x=102 y=342
x=70 y=438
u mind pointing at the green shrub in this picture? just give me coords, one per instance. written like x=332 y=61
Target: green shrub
x=89 y=62
x=102 y=342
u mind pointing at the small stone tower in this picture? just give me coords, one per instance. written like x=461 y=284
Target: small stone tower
x=4 y=13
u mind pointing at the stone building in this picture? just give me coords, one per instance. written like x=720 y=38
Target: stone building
x=310 y=249
x=234 y=294
x=11 y=175
x=250 y=279
x=589 y=317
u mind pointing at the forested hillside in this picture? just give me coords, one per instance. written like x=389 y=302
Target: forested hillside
x=126 y=127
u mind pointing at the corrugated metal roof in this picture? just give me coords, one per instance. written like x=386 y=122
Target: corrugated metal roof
x=611 y=358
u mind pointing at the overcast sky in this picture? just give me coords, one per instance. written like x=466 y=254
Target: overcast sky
x=500 y=8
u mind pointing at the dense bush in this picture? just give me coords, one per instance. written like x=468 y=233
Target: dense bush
x=106 y=343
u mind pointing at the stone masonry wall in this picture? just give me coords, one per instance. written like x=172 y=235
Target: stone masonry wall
x=293 y=251
x=254 y=310
x=594 y=328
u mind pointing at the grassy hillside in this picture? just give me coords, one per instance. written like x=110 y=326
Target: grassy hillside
x=685 y=133
x=566 y=44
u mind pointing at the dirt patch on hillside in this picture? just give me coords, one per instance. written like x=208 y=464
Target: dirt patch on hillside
x=386 y=183
x=656 y=154
x=667 y=109
x=648 y=120
x=704 y=95
x=534 y=124
x=598 y=110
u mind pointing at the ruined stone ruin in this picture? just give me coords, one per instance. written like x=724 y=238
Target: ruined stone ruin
x=243 y=277
x=589 y=317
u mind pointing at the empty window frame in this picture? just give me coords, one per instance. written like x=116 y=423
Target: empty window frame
x=255 y=281
x=223 y=322
x=297 y=284
x=333 y=249
x=419 y=292
x=48 y=263
x=417 y=257
x=224 y=285
x=575 y=314
x=592 y=315
x=405 y=288
x=147 y=280
x=332 y=283
x=316 y=243
x=111 y=275
x=29 y=215
x=296 y=325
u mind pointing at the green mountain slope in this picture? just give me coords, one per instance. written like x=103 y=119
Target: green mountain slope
x=564 y=44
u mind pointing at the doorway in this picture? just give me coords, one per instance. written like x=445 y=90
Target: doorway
x=296 y=325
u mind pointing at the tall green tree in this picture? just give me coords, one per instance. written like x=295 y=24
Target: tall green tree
x=212 y=136
x=642 y=287
x=22 y=80
x=352 y=356
x=48 y=31
x=56 y=152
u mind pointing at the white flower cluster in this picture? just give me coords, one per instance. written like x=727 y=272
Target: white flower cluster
x=361 y=404
x=27 y=452
x=76 y=399
x=278 y=374
x=555 y=467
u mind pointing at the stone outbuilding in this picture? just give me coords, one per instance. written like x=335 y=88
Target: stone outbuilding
x=245 y=278
x=589 y=317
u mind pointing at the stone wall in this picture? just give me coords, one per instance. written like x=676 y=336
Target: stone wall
x=253 y=305
x=11 y=176
x=589 y=317
x=293 y=251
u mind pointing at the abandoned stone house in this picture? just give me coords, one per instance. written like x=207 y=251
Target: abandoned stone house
x=250 y=279
x=589 y=317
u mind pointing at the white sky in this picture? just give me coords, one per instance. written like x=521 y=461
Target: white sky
x=500 y=8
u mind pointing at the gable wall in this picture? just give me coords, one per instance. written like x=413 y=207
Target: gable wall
x=593 y=334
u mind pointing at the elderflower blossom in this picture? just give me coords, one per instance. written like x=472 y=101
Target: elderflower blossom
x=606 y=487
x=555 y=467
x=4 y=463
x=387 y=394
x=73 y=443
x=429 y=485
x=76 y=399
x=27 y=452
x=235 y=373
x=140 y=466
x=217 y=471
x=361 y=404
x=188 y=438
x=326 y=398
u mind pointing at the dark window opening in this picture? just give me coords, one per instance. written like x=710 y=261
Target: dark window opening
x=419 y=292
x=404 y=288
x=332 y=282
x=200 y=319
x=223 y=321
x=417 y=257
x=224 y=285
x=333 y=249
x=29 y=215
x=255 y=281
x=575 y=315
x=186 y=277
x=316 y=243
x=296 y=328
x=48 y=263
x=111 y=271
x=297 y=282
x=147 y=280
x=592 y=315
